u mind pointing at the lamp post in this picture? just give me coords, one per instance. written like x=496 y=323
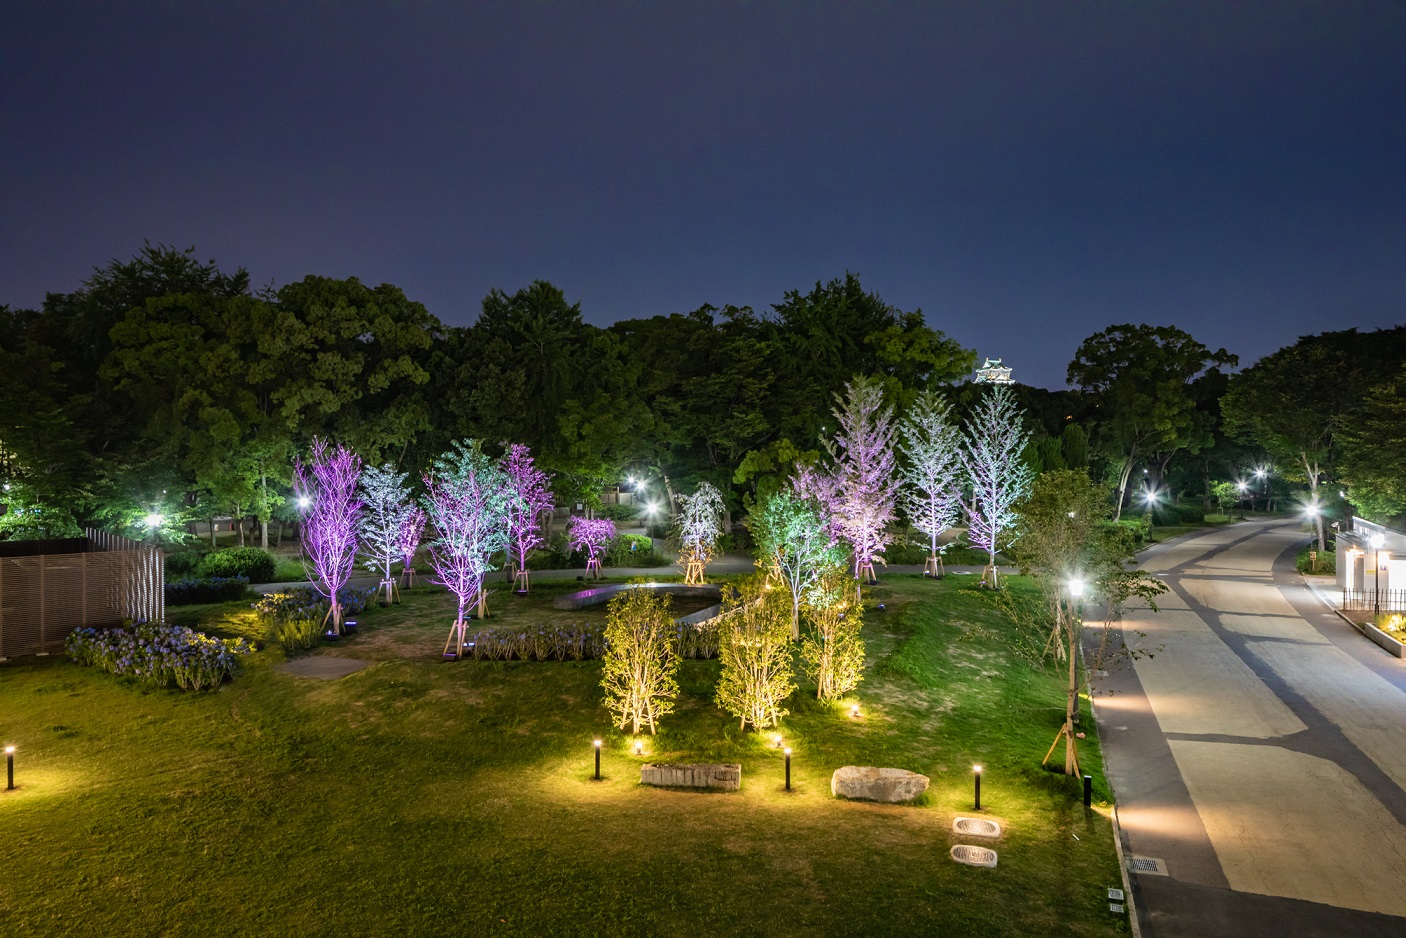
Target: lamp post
x=788 y=768
x=1377 y=541
x=1262 y=473
x=9 y=768
x=597 y=760
x=1242 y=487
x=976 y=779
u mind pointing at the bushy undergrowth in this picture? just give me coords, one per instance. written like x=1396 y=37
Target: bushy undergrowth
x=214 y=589
x=252 y=562
x=624 y=550
x=577 y=643
x=293 y=618
x=159 y=656
x=1327 y=560
x=183 y=562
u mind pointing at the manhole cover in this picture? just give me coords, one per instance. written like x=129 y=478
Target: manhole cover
x=976 y=826
x=974 y=856
x=1147 y=865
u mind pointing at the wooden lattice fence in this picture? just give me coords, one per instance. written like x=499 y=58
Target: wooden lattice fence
x=101 y=580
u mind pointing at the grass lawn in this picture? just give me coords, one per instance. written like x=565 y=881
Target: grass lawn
x=1165 y=532
x=425 y=797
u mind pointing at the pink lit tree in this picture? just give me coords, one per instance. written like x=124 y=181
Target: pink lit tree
x=591 y=535
x=466 y=499
x=532 y=498
x=862 y=488
x=412 y=529
x=993 y=458
x=933 y=476
x=327 y=485
x=388 y=507
x=699 y=528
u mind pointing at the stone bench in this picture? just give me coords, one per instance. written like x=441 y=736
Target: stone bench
x=603 y=594
x=868 y=783
x=722 y=777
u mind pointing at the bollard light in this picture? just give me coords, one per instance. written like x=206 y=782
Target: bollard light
x=9 y=768
x=639 y=747
x=598 y=760
x=1088 y=791
x=788 y=768
x=854 y=711
x=976 y=774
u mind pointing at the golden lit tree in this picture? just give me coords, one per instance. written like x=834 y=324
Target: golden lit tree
x=640 y=665
x=755 y=651
x=832 y=650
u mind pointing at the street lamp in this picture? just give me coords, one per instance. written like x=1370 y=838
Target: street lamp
x=304 y=503
x=1242 y=487
x=1377 y=541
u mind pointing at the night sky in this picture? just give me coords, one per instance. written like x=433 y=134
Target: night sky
x=1025 y=173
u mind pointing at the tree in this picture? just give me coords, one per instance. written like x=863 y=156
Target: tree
x=995 y=439
x=640 y=666
x=864 y=483
x=1071 y=550
x=832 y=650
x=412 y=530
x=466 y=500
x=792 y=537
x=591 y=535
x=1141 y=377
x=532 y=498
x=755 y=653
x=933 y=475
x=328 y=486
x=388 y=509
x=1372 y=448
x=699 y=529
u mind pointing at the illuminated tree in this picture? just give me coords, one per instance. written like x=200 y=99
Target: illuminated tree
x=995 y=439
x=591 y=535
x=532 y=493
x=832 y=650
x=467 y=498
x=794 y=539
x=755 y=651
x=640 y=664
x=699 y=527
x=412 y=529
x=932 y=495
x=388 y=507
x=863 y=484
x=328 y=487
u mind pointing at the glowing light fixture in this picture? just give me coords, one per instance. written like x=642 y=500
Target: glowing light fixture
x=9 y=768
x=639 y=747
x=597 y=742
x=153 y=520
x=976 y=775
x=1076 y=589
x=304 y=503
x=854 y=711
x=788 y=768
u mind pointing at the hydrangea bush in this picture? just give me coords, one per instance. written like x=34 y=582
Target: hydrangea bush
x=159 y=655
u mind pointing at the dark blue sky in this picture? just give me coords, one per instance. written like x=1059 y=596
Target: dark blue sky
x=1026 y=173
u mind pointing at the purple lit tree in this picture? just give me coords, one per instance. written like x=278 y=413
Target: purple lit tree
x=328 y=487
x=863 y=486
x=699 y=526
x=466 y=499
x=532 y=493
x=590 y=535
x=412 y=529
x=388 y=507
x=932 y=494
x=995 y=441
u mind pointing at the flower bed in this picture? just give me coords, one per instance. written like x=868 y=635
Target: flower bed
x=576 y=643
x=294 y=617
x=159 y=656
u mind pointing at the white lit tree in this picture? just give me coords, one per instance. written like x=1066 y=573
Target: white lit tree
x=933 y=476
x=795 y=540
x=700 y=525
x=388 y=510
x=995 y=438
x=638 y=671
x=754 y=649
x=467 y=497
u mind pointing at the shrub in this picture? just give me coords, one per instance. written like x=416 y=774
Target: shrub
x=632 y=550
x=159 y=656
x=213 y=589
x=1184 y=513
x=756 y=656
x=618 y=512
x=251 y=562
x=294 y=617
x=1327 y=560
x=183 y=562
x=640 y=670
x=1139 y=525
x=579 y=643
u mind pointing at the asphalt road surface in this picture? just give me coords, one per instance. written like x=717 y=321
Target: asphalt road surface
x=1258 y=755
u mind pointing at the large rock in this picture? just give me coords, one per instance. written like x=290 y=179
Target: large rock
x=868 y=783
x=727 y=777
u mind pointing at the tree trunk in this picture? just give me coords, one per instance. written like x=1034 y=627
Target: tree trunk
x=1071 y=759
x=1123 y=483
x=213 y=545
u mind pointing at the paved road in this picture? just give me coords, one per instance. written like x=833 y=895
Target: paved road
x=1260 y=753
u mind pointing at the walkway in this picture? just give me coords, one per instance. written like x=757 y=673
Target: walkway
x=1258 y=752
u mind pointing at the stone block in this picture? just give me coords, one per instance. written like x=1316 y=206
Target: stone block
x=723 y=777
x=868 y=783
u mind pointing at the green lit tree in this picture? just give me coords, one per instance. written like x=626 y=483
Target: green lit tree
x=755 y=652
x=832 y=649
x=640 y=667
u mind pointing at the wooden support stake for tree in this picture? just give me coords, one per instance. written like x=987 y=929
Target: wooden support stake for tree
x=593 y=568
x=522 y=582
x=933 y=567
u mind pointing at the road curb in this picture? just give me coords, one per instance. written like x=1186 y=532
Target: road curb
x=1128 y=898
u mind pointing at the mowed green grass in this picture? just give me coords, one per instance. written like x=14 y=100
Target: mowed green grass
x=424 y=797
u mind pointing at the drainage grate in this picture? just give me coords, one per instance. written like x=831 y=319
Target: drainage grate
x=974 y=856
x=976 y=827
x=1147 y=865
